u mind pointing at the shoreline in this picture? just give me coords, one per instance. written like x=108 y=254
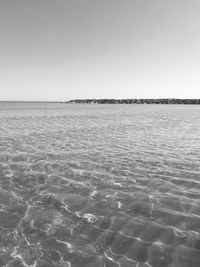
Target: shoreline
x=166 y=101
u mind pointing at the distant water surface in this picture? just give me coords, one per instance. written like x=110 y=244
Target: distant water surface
x=99 y=185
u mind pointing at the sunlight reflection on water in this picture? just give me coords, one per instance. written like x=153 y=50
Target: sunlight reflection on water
x=99 y=185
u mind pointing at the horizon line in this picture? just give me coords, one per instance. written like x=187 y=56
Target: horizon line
x=63 y=101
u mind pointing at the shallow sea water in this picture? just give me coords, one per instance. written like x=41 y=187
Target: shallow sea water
x=99 y=185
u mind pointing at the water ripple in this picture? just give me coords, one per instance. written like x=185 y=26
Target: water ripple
x=99 y=185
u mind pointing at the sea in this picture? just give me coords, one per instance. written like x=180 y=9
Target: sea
x=91 y=185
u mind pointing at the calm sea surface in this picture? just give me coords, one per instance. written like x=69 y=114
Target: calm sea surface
x=99 y=185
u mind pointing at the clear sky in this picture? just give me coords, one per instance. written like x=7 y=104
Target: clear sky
x=66 y=49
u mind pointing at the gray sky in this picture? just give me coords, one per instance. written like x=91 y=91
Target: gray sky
x=65 y=49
